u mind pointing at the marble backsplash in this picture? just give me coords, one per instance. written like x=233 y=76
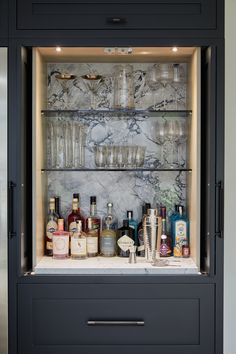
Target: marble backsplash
x=127 y=190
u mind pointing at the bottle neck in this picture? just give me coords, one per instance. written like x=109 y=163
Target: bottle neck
x=93 y=209
x=61 y=225
x=75 y=206
x=163 y=226
x=109 y=210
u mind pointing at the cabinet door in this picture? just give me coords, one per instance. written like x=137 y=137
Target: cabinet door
x=113 y=14
x=167 y=319
x=3 y=19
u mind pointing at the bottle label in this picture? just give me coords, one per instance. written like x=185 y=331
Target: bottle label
x=164 y=250
x=72 y=228
x=125 y=242
x=49 y=245
x=60 y=245
x=51 y=227
x=180 y=232
x=108 y=244
x=78 y=246
x=92 y=244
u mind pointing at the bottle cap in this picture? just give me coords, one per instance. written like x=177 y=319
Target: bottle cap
x=109 y=204
x=148 y=206
x=163 y=237
x=130 y=214
x=93 y=200
x=76 y=196
x=60 y=224
x=126 y=223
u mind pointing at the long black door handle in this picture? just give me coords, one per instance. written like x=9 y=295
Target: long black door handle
x=115 y=323
x=11 y=232
x=220 y=210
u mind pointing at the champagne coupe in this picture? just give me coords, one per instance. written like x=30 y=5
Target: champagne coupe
x=93 y=82
x=153 y=81
x=178 y=81
x=64 y=79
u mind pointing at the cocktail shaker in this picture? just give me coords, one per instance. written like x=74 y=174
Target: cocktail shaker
x=152 y=234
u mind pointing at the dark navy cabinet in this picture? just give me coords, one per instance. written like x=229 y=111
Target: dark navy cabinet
x=58 y=314
x=72 y=318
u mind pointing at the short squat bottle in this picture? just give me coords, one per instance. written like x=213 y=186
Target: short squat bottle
x=79 y=243
x=60 y=242
x=125 y=239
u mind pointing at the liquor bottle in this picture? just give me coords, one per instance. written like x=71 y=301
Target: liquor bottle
x=74 y=216
x=60 y=242
x=108 y=242
x=93 y=226
x=57 y=207
x=125 y=239
x=110 y=220
x=180 y=232
x=166 y=242
x=133 y=224
x=50 y=227
x=79 y=243
x=141 y=250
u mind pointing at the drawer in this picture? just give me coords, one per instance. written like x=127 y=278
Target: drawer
x=54 y=316
x=113 y=14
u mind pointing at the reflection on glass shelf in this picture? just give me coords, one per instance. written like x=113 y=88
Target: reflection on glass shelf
x=117 y=169
x=119 y=112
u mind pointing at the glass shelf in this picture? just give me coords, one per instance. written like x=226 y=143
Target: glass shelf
x=115 y=169
x=118 y=112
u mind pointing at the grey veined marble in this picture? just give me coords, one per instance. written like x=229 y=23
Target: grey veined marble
x=127 y=190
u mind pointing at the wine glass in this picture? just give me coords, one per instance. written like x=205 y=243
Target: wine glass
x=182 y=138
x=178 y=81
x=166 y=77
x=64 y=79
x=160 y=138
x=93 y=82
x=172 y=134
x=153 y=81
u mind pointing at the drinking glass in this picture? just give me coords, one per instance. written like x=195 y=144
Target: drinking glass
x=51 y=157
x=166 y=77
x=68 y=146
x=182 y=138
x=100 y=156
x=140 y=156
x=171 y=132
x=111 y=156
x=78 y=137
x=123 y=86
x=178 y=81
x=160 y=139
x=93 y=83
x=131 y=155
x=153 y=81
x=121 y=156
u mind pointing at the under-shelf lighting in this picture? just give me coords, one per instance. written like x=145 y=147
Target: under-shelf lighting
x=58 y=49
x=174 y=49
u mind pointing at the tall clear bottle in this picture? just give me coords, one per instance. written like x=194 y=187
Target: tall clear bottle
x=93 y=226
x=51 y=227
x=110 y=220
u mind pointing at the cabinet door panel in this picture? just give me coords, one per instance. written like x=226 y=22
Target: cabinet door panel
x=176 y=318
x=3 y=19
x=134 y=14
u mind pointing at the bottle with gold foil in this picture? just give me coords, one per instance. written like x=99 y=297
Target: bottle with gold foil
x=93 y=226
x=50 y=227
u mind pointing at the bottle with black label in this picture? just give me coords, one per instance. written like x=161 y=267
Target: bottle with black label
x=51 y=227
x=125 y=239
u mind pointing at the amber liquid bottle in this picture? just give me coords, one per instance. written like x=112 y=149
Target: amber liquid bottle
x=74 y=216
x=93 y=226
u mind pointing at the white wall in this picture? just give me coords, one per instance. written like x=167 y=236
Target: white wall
x=230 y=181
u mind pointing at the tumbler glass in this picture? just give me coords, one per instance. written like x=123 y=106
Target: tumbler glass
x=100 y=156
x=140 y=156
x=111 y=156
x=131 y=156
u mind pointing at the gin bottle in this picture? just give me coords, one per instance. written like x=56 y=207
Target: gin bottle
x=125 y=239
x=51 y=227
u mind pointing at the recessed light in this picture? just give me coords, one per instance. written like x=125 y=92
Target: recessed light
x=58 y=49
x=175 y=49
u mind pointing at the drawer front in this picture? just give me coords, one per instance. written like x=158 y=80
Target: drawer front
x=174 y=318
x=113 y=14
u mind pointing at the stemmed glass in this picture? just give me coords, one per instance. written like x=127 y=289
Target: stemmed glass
x=166 y=77
x=153 y=81
x=178 y=81
x=64 y=79
x=93 y=82
x=182 y=138
x=172 y=133
x=160 y=138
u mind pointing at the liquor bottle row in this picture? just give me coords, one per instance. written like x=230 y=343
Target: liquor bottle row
x=90 y=236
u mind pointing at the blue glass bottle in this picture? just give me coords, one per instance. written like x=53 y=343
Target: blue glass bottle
x=133 y=224
x=180 y=232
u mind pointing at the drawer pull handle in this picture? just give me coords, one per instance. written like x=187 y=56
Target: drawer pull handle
x=116 y=20
x=115 y=323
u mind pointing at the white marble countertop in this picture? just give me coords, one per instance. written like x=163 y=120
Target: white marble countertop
x=114 y=265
